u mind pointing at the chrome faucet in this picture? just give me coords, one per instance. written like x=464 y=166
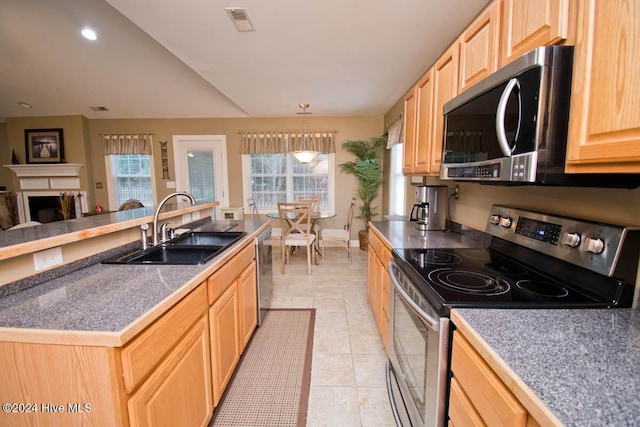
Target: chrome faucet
x=155 y=216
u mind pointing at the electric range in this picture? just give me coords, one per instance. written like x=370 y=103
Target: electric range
x=534 y=260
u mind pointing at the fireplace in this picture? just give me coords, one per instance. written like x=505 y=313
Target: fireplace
x=48 y=209
x=42 y=185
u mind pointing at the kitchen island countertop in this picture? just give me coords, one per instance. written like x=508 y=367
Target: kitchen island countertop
x=106 y=304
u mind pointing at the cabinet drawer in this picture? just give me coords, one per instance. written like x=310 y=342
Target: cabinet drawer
x=221 y=279
x=491 y=398
x=142 y=355
x=461 y=410
x=379 y=248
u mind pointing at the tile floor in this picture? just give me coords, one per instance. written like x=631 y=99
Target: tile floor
x=348 y=386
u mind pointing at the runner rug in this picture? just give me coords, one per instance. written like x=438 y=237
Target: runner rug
x=271 y=384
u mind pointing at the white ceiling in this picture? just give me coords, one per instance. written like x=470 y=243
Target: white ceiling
x=184 y=58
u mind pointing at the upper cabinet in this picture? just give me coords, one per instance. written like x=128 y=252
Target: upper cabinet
x=424 y=121
x=408 y=147
x=445 y=87
x=529 y=24
x=604 y=124
x=479 y=47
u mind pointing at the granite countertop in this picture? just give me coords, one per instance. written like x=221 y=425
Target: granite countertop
x=584 y=365
x=404 y=234
x=105 y=300
x=30 y=239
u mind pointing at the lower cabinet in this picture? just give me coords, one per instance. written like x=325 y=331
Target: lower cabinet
x=233 y=316
x=178 y=393
x=477 y=396
x=379 y=284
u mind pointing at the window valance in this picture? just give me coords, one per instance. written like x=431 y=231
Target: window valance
x=127 y=143
x=286 y=141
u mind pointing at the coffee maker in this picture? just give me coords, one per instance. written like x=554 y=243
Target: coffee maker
x=429 y=211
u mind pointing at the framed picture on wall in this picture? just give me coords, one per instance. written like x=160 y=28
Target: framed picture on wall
x=44 y=145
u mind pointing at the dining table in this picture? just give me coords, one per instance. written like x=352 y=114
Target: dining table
x=315 y=217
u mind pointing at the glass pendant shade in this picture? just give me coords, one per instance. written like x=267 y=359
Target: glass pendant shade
x=304 y=156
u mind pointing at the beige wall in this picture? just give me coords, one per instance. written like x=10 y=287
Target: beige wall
x=5 y=156
x=83 y=144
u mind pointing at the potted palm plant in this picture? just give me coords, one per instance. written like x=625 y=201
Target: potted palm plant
x=368 y=171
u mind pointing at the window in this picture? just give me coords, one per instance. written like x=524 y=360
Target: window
x=130 y=178
x=397 y=182
x=273 y=178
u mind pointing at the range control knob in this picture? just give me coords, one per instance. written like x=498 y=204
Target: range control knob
x=494 y=219
x=594 y=245
x=571 y=239
x=505 y=222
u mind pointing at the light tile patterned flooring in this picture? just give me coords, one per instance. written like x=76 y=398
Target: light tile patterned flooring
x=348 y=386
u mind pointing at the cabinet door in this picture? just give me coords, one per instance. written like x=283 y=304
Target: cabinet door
x=178 y=393
x=408 y=149
x=604 y=124
x=445 y=87
x=372 y=280
x=424 y=120
x=248 y=310
x=479 y=47
x=529 y=24
x=225 y=343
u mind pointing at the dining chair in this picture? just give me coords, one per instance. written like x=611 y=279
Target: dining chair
x=253 y=208
x=295 y=219
x=314 y=199
x=341 y=236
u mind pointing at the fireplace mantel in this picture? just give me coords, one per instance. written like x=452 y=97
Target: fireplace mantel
x=46 y=169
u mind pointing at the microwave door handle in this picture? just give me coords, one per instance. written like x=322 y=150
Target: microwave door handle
x=431 y=321
x=500 y=116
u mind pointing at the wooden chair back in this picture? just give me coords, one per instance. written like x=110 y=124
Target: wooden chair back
x=295 y=217
x=314 y=199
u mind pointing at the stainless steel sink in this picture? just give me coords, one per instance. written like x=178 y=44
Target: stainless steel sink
x=190 y=249
x=207 y=238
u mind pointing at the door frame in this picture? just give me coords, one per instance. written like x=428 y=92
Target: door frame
x=220 y=156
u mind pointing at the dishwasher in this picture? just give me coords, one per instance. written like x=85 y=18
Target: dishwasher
x=264 y=269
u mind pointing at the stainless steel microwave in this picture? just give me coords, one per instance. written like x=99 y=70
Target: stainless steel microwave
x=511 y=127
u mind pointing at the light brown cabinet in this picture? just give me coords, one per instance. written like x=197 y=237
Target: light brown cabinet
x=225 y=340
x=178 y=393
x=233 y=315
x=604 y=124
x=409 y=145
x=423 y=115
x=445 y=88
x=424 y=123
x=478 y=397
x=379 y=285
x=479 y=45
x=529 y=24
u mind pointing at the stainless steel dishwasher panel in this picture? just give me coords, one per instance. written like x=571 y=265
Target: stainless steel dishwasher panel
x=265 y=273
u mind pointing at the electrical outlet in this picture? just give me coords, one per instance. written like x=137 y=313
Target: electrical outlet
x=48 y=258
x=456 y=192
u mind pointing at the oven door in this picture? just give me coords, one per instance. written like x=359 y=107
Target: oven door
x=419 y=356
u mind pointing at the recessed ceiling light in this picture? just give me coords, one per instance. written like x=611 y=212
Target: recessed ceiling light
x=89 y=34
x=25 y=105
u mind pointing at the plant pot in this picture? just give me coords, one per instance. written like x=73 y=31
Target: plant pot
x=363 y=236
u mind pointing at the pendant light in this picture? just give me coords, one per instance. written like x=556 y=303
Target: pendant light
x=305 y=152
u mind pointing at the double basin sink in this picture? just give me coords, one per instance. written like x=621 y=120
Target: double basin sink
x=194 y=247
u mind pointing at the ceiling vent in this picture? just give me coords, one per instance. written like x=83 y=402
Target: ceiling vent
x=240 y=19
x=99 y=108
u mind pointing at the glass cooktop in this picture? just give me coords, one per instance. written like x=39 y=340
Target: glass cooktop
x=484 y=278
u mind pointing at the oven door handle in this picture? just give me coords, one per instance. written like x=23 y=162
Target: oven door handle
x=432 y=322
